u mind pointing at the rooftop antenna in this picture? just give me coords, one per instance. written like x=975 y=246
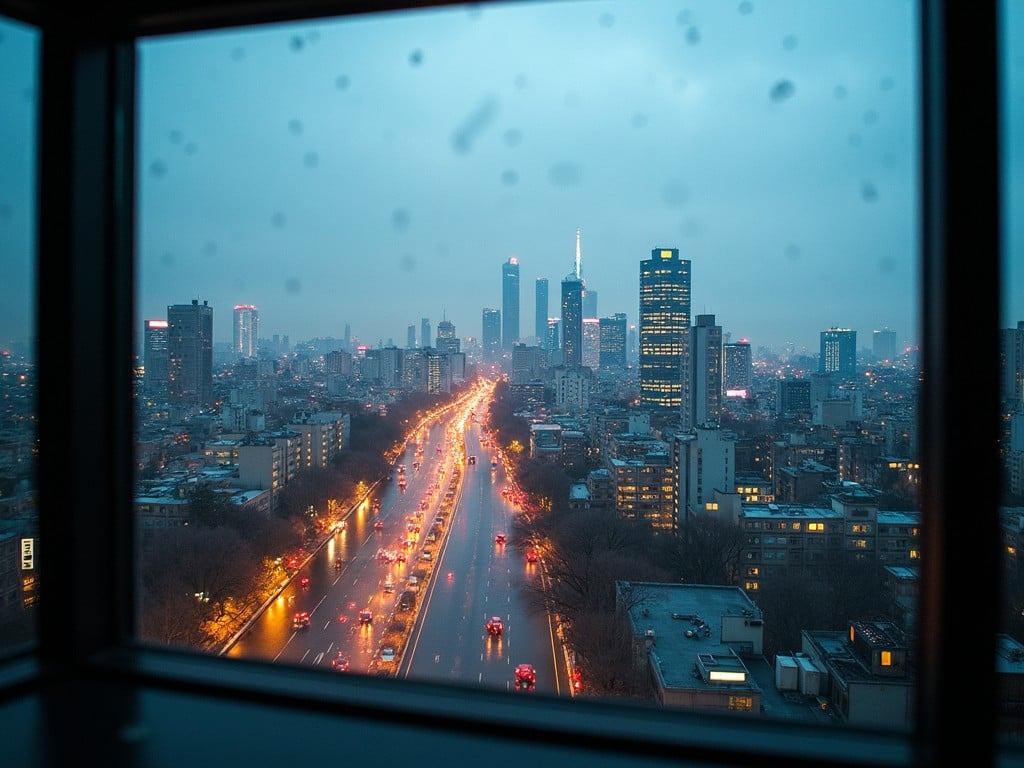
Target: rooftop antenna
x=579 y=258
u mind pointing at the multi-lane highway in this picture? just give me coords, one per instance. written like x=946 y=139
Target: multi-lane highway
x=469 y=578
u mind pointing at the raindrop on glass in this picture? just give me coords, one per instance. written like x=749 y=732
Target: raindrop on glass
x=292 y=285
x=400 y=219
x=295 y=127
x=782 y=90
x=158 y=168
x=789 y=43
x=311 y=159
x=692 y=35
x=341 y=81
x=513 y=137
x=509 y=178
x=746 y=7
x=869 y=192
x=416 y=57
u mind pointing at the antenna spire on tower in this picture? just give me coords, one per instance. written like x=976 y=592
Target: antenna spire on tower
x=579 y=258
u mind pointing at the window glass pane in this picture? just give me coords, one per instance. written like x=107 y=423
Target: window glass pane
x=1010 y=646
x=686 y=241
x=19 y=542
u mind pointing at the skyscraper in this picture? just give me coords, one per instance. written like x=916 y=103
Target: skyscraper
x=541 y=312
x=190 y=353
x=155 y=359
x=737 y=369
x=490 y=337
x=591 y=342
x=664 y=330
x=410 y=337
x=706 y=373
x=509 y=303
x=589 y=304
x=245 y=330
x=883 y=345
x=838 y=354
x=446 y=339
x=425 y=332
x=572 y=312
x=612 y=347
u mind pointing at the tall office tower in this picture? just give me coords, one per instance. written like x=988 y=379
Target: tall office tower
x=410 y=337
x=155 y=359
x=737 y=369
x=509 y=303
x=632 y=345
x=838 y=354
x=706 y=373
x=553 y=339
x=1011 y=364
x=348 y=338
x=612 y=345
x=664 y=330
x=526 y=364
x=589 y=304
x=190 y=353
x=245 y=330
x=571 y=325
x=541 y=312
x=883 y=345
x=490 y=336
x=447 y=341
x=591 y=342
x=425 y=332
x=572 y=321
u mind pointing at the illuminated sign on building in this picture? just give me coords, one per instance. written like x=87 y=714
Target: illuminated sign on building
x=27 y=554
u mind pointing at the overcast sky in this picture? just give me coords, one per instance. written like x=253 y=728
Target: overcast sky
x=376 y=170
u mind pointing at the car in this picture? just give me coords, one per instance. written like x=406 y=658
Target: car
x=340 y=663
x=407 y=600
x=389 y=586
x=472 y=459
x=366 y=616
x=531 y=556
x=304 y=582
x=500 y=538
x=495 y=626
x=526 y=676
x=378 y=524
x=300 y=620
x=387 y=655
x=426 y=554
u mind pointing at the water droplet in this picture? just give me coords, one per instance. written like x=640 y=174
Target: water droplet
x=167 y=259
x=639 y=120
x=295 y=127
x=869 y=192
x=278 y=219
x=407 y=263
x=509 y=178
x=416 y=57
x=191 y=148
x=311 y=159
x=692 y=35
x=400 y=219
x=746 y=7
x=871 y=117
x=782 y=90
x=513 y=137
x=210 y=248
x=292 y=285
x=675 y=194
x=840 y=92
x=297 y=43
x=606 y=20
x=238 y=54
x=683 y=18
x=520 y=81
x=789 y=43
x=158 y=168
x=886 y=84
x=855 y=139
x=175 y=136
x=792 y=252
x=341 y=82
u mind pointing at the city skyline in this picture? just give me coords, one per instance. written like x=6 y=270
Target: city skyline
x=772 y=146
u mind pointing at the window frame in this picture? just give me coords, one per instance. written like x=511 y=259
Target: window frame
x=85 y=301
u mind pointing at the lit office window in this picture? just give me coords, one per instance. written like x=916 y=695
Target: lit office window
x=314 y=198
x=20 y=551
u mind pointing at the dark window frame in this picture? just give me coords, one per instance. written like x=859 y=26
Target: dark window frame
x=85 y=332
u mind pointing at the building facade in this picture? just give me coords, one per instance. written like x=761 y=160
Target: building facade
x=155 y=358
x=245 y=331
x=490 y=336
x=190 y=354
x=509 y=303
x=838 y=357
x=664 y=329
